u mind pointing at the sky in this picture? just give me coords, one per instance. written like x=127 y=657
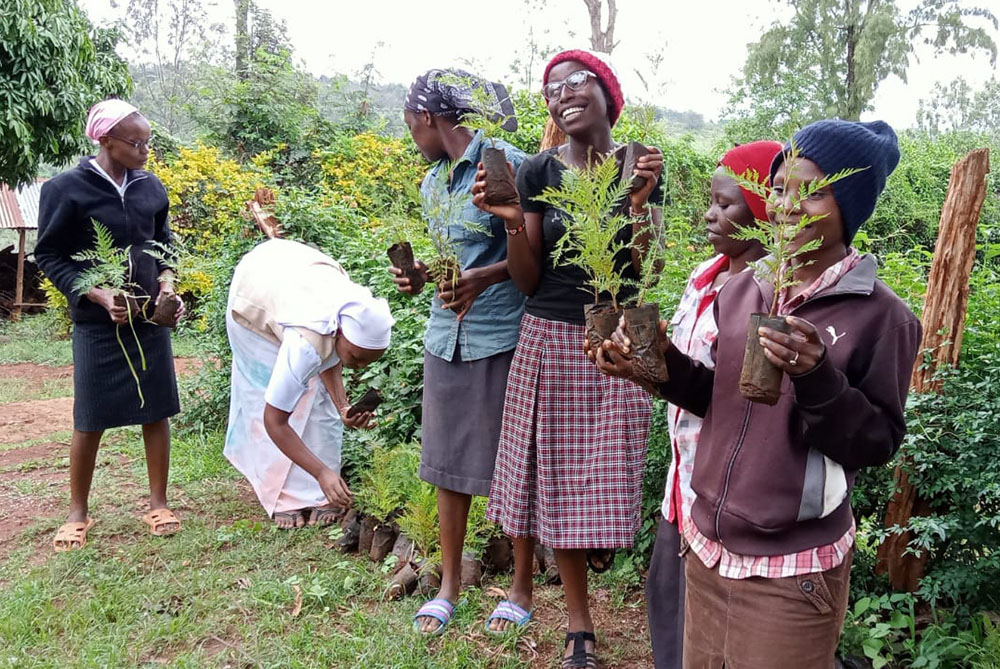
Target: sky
x=702 y=43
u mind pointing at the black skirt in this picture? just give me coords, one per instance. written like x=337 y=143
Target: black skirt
x=105 y=393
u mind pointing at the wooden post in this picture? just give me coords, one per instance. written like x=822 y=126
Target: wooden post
x=943 y=323
x=15 y=314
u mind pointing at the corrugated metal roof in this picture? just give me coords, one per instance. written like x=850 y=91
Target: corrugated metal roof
x=19 y=209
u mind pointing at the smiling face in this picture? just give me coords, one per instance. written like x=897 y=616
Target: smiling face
x=424 y=131
x=727 y=212
x=119 y=144
x=788 y=179
x=581 y=110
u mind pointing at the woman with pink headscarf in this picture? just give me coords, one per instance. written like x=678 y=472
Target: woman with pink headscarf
x=112 y=188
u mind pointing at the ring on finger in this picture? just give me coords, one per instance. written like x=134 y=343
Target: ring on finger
x=795 y=360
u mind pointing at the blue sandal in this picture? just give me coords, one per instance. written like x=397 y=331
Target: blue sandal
x=439 y=609
x=508 y=610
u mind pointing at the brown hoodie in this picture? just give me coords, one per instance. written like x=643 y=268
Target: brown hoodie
x=773 y=480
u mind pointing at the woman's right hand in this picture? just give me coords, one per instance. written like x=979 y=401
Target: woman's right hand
x=335 y=488
x=103 y=297
x=510 y=213
x=402 y=281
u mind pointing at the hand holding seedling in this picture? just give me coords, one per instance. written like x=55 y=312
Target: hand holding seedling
x=648 y=167
x=402 y=281
x=508 y=212
x=460 y=294
x=334 y=487
x=103 y=297
x=796 y=353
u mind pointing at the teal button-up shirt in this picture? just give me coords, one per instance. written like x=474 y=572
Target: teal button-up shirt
x=491 y=325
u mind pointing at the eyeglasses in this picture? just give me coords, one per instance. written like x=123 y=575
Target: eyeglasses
x=133 y=144
x=575 y=82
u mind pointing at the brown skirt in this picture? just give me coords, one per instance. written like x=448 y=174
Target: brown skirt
x=462 y=412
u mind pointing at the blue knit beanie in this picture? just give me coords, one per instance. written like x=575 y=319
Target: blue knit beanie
x=835 y=145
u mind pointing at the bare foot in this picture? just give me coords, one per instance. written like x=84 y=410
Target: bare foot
x=325 y=516
x=289 y=520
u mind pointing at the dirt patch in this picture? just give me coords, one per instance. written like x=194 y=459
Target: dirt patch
x=27 y=421
x=32 y=376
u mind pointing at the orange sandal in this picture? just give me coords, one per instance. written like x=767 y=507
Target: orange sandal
x=158 y=518
x=72 y=533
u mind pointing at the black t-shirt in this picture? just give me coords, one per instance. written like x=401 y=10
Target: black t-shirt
x=562 y=289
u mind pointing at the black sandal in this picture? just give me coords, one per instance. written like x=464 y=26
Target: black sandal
x=600 y=559
x=580 y=658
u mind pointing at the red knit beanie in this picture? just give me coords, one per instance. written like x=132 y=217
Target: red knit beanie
x=753 y=156
x=599 y=64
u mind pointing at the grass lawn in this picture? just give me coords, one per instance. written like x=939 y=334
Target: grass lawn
x=230 y=590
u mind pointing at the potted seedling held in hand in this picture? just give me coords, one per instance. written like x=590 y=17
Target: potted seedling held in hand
x=443 y=210
x=109 y=270
x=177 y=261
x=589 y=198
x=642 y=320
x=760 y=379
x=400 y=228
x=491 y=112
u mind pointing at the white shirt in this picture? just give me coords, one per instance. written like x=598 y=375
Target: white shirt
x=297 y=362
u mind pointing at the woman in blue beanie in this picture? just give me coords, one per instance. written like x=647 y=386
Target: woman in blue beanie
x=771 y=529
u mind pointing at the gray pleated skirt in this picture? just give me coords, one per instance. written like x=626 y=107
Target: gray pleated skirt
x=104 y=392
x=462 y=413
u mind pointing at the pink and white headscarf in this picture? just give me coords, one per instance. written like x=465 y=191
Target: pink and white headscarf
x=106 y=115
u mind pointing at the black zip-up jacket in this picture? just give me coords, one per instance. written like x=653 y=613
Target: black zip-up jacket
x=774 y=480
x=67 y=205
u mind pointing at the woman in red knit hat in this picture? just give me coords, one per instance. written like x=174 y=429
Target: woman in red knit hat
x=694 y=331
x=573 y=441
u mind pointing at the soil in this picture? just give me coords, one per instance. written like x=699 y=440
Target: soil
x=601 y=320
x=401 y=257
x=165 y=313
x=34 y=462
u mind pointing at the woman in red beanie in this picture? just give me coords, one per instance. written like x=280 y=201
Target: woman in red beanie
x=693 y=332
x=573 y=442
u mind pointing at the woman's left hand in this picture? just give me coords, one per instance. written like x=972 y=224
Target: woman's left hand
x=359 y=421
x=797 y=352
x=168 y=289
x=649 y=166
x=459 y=296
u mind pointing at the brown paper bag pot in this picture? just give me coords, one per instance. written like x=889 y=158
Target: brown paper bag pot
x=642 y=325
x=368 y=525
x=135 y=305
x=601 y=320
x=627 y=156
x=500 y=188
x=760 y=379
x=401 y=257
x=165 y=313
x=383 y=540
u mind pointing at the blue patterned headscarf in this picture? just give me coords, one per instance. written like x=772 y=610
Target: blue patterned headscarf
x=449 y=93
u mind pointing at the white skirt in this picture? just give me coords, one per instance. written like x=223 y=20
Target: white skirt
x=280 y=484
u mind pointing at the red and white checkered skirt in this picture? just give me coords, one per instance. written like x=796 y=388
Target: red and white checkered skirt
x=572 y=445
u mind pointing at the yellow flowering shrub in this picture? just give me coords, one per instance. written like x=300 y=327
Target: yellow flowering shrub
x=207 y=193
x=367 y=171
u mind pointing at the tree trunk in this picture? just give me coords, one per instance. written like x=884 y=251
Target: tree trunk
x=602 y=40
x=851 y=112
x=943 y=322
x=242 y=39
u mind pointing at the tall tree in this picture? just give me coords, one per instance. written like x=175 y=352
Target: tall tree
x=171 y=38
x=602 y=38
x=243 y=50
x=53 y=66
x=841 y=50
x=957 y=106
